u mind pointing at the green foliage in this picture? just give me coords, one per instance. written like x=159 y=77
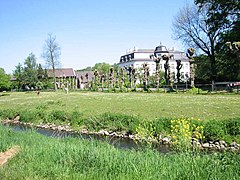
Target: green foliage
x=18 y=74
x=30 y=71
x=5 y=83
x=30 y=75
x=183 y=131
x=222 y=129
x=28 y=116
x=194 y=90
x=58 y=116
x=203 y=70
x=222 y=14
x=162 y=125
x=76 y=118
x=8 y=114
x=102 y=68
x=112 y=122
x=39 y=85
x=146 y=133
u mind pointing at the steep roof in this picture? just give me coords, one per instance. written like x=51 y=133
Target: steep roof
x=61 y=72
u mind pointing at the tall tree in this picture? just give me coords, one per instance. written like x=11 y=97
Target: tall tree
x=222 y=15
x=30 y=70
x=4 y=80
x=51 y=54
x=18 y=74
x=225 y=16
x=40 y=73
x=190 y=26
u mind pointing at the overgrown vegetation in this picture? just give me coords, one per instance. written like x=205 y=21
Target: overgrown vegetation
x=48 y=158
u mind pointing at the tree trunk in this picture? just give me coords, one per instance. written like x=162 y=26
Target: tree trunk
x=213 y=68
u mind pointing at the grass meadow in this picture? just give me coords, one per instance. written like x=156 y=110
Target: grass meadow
x=68 y=158
x=144 y=105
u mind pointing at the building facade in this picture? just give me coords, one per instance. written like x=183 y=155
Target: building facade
x=137 y=57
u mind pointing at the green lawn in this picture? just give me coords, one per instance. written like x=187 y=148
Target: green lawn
x=145 y=105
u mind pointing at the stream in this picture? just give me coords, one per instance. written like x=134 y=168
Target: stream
x=117 y=142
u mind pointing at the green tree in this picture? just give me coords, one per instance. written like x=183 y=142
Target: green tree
x=224 y=17
x=51 y=54
x=5 y=83
x=191 y=27
x=203 y=72
x=102 y=68
x=18 y=74
x=40 y=72
x=30 y=72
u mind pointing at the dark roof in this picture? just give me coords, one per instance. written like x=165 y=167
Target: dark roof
x=61 y=72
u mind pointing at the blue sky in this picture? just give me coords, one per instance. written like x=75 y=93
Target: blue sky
x=88 y=31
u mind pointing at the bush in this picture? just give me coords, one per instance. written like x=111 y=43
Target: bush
x=183 y=130
x=227 y=129
x=233 y=127
x=214 y=130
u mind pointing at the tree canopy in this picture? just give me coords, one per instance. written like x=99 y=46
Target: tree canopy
x=5 y=83
x=207 y=26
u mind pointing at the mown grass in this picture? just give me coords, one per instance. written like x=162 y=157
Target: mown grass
x=48 y=158
x=145 y=105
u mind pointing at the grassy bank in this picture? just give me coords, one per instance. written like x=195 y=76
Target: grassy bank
x=48 y=158
x=218 y=114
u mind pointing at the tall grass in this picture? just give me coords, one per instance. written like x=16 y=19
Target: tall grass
x=48 y=158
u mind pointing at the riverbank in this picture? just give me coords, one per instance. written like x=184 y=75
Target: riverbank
x=48 y=158
x=217 y=145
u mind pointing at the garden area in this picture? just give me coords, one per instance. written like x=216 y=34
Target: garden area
x=181 y=117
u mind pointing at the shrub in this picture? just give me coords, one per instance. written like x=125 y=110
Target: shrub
x=147 y=133
x=228 y=130
x=233 y=127
x=214 y=130
x=183 y=131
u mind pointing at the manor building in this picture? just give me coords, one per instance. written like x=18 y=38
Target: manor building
x=137 y=57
